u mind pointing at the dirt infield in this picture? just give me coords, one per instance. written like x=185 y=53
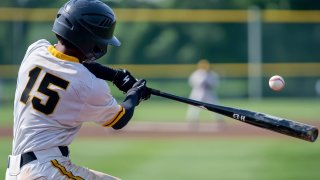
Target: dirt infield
x=176 y=130
x=181 y=130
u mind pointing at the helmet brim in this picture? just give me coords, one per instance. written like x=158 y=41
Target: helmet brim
x=114 y=41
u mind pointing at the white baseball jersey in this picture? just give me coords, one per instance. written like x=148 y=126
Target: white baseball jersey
x=55 y=94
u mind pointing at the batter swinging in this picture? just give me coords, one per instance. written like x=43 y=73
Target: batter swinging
x=58 y=89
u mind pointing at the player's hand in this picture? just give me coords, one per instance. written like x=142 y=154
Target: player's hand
x=124 y=80
x=141 y=89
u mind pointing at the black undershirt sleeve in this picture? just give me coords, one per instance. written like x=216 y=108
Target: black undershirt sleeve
x=100 y=71
x=130 y=102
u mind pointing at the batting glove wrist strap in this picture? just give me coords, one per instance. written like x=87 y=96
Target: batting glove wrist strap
x=124 y=80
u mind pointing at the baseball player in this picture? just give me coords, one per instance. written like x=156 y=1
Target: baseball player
x=56 y=93
x=203 y=82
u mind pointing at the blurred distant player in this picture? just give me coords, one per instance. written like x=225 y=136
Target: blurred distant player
x=204 y=82
x=58 y=89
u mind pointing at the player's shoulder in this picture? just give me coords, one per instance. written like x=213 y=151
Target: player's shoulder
x=92 y=83
x=92 y=88
x=199 y=72
x=38 y=44
x=214 y=73
x=97 y=84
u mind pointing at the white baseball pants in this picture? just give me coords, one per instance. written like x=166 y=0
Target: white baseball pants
x=50 y=164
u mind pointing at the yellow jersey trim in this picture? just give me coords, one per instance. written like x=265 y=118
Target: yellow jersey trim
x=61 y=55
x=63 y=170
x=114 y=120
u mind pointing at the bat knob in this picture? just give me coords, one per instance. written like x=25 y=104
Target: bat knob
x=313 y=134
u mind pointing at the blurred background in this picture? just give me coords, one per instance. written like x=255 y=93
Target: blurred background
x=246 y=42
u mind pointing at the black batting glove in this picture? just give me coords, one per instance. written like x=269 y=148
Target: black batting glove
x=141 y=90
x=124 y=80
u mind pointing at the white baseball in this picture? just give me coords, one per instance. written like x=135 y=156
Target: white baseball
x=276 y=83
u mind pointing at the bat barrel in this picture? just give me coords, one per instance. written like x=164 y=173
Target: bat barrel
x=280 y=125
x=298 y=130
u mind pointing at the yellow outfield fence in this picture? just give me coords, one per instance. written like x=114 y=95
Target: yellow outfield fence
x=171 y=15
x=184 y=70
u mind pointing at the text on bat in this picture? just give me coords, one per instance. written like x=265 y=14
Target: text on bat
x=239 y=117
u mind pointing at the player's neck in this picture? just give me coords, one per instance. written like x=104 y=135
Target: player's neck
x=70 y=52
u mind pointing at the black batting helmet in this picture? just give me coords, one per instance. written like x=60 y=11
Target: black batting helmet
x=88 y=25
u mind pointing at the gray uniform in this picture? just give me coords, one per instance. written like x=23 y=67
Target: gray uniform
x=203 y=85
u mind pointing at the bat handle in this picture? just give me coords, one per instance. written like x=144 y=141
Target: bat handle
x=154 y=91
x=174 y=97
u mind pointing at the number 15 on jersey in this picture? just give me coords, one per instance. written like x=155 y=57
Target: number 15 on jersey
x=43 y=88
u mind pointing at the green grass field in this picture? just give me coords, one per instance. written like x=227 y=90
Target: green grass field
x=190 y=159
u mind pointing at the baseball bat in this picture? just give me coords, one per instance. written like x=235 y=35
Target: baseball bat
x=262 y=120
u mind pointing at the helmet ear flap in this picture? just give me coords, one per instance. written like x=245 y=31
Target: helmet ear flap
x=98 y=52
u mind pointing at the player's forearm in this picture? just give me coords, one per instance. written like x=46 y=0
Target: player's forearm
x=120 y=77
x=130 y=102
